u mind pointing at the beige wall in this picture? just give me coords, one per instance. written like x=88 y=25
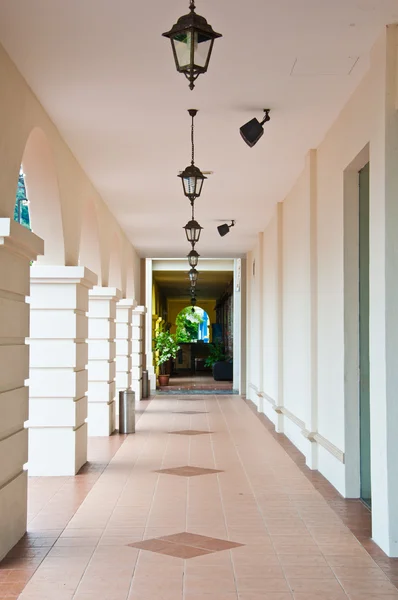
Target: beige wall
x=67 y=212
x=318 y=398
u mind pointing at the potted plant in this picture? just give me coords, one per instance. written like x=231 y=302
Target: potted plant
x=216 y=354
x=166 y=348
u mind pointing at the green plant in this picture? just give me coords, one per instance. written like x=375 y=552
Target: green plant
x=216 y=353
x=187 y=326
x=166 y=348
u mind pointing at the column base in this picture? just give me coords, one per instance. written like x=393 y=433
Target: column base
x=101 y=418
x=57 y=451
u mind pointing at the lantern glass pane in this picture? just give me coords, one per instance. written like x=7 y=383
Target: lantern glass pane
x=182 y=46
x=202 y=48
x=199 y=185
x=190 y=184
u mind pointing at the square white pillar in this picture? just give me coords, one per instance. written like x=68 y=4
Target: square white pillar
x=58 y=369
x=137 y=350
x=124 y=310
x=101 y=360
x=18 y=247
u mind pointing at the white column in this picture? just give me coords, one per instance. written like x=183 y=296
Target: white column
x=58 y=369
x=18 y=247
x=138 y=350
x=101 y=360
x=124 y=309
x=148 y=323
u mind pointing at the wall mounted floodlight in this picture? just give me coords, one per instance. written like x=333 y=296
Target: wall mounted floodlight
x=253 y=130
x=224 y=228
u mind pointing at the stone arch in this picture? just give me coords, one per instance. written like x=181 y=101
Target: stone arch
x=115 y=264
x=90 y=247
x=42 y=189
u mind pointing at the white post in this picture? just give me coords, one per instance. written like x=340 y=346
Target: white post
x=58 y=374
x=148 y=323
x=124 y=310
x=138 y=350
x=18 y=247
x=101 y=360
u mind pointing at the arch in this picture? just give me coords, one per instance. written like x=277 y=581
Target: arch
x=198 y=316
x=130 y=283
x=89 y=247
x=41 y=183
x=115 y=264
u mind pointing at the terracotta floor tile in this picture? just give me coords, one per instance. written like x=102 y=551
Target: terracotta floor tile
x=267 y=524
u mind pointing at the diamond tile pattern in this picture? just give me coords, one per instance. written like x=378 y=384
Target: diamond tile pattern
x=185 y=545
x=190 y=432
x=188 y=471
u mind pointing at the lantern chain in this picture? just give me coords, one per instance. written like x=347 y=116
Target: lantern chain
x=192 y=6
x=192 y=141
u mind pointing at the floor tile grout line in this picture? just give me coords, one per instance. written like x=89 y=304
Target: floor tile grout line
x=255 y=498
x=222 y=501
x=110 y=516
x=256 y=414
x=187 y=508
x=316 y=491
x=39 y=564
x=167 y=440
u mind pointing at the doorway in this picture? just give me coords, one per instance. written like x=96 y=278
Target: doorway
x=364 y=390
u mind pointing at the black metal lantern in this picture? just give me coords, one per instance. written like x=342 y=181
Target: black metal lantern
x=193 y=258
x=193 y=230
x=192 y=177
x=193 y=276
x=192 y=40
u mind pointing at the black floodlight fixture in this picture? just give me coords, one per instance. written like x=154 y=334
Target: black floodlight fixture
x=193 y=258
x=192 y=177
x=224 y=228
x=193 y=276
x=253 y=130
x=192 y=40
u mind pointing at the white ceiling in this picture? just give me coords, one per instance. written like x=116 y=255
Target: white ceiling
x=107 y=78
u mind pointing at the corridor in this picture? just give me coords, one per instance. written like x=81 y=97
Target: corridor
x=204 y=502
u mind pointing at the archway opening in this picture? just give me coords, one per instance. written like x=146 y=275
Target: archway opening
x=192 y=325
x=38 y=203
x=21 y=210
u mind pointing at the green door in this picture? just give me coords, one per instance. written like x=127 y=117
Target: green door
x=364 y=395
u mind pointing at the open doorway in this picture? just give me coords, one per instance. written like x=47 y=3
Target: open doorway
x=363 y=341
x=203 y=332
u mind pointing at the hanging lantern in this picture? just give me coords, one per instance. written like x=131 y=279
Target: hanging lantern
x=193 y=276
x=193 y=231
x=193 y=258
x=192 y=40
x=192 y=177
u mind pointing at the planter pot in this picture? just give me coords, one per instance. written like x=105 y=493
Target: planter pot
x=164 y=380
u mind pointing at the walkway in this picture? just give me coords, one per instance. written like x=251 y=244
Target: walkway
x=208 y=466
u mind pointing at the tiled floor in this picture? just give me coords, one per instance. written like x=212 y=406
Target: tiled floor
x=261 y=530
